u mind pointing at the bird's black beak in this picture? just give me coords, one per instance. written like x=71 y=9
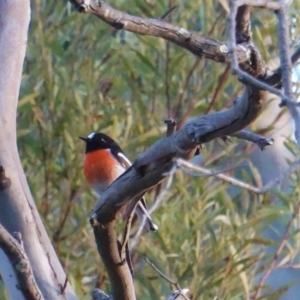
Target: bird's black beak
x=84 y=139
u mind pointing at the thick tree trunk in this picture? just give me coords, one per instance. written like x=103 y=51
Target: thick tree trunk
x=18 y=212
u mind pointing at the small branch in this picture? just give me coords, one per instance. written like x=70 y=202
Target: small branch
x=171 y=126
x=260 y=3
x=168 y=12
x=281 y=245
x=176 y=284
x=243 y=76
x=196 y=44
x=295 y=57
x=210 y=173
x=243 y=24
x=127 y=230
x=286 y=67
x=155 y=206
x=21 y=265
x=63 y=219
x=262 y=190
x=180 y=291
x=218 y=90
x=274 y=78
x=261 y=141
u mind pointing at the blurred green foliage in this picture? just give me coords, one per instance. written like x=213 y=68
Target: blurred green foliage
x=80 y=75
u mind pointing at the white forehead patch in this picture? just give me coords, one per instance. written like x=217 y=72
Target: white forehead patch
x=91 y=135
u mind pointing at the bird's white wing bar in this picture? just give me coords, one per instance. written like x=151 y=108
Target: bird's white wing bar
x=125 y=161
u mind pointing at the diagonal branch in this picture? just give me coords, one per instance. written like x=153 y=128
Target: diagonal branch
x=191 y=41
x=150 y=166
x=188 y=168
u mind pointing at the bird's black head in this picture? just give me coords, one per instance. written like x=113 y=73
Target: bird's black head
x=98 y=140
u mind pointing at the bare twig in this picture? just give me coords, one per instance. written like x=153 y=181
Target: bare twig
x=215 y=96
x=168 y=12
x=274 y=79
x=258 y=190
x=286 y=67
x=127 y=230
x=261 y=141
x=155 y=206
x=281 y=245
x=176 y=284
x=167 y=86
x=243 y=24
x=171 y=126
x=63 y=219
x=211 y=172
x=296 y=55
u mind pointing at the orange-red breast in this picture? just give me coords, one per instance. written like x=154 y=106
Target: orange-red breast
x=104 y=162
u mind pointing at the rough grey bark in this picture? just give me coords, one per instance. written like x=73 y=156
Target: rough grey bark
x=18 y=212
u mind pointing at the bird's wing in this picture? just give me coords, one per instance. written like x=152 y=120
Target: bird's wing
x=124 y=161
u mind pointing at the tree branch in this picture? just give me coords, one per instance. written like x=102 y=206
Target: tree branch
x=185 y=165
x=150 y=166
x=174 y=295
x=261 y=141
x=196 y=44
x=285 y=62
x=21 y=265
x=117 y=268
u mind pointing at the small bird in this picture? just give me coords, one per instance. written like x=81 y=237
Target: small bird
x=104 y=162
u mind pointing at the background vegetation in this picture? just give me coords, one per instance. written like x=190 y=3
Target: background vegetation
x=80 y=75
